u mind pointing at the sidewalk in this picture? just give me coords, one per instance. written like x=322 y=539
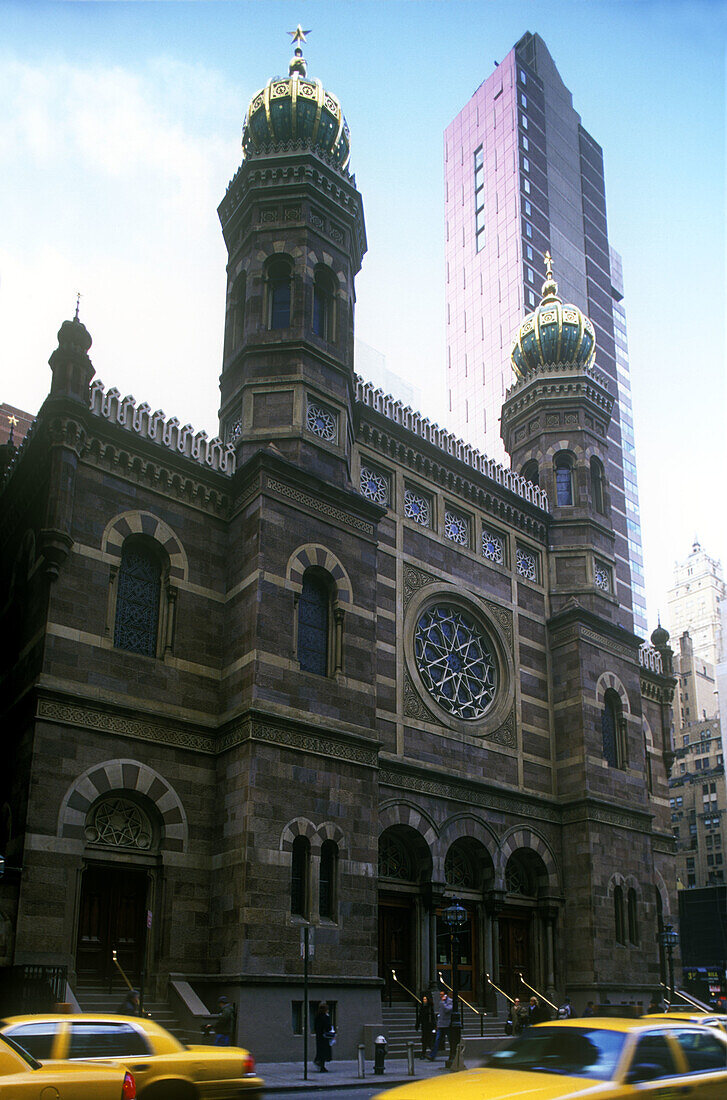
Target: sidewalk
x=288 y=1076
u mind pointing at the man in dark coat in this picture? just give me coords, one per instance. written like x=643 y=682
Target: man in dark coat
x=539 y=1013
x=323 y=1029
x=130 y=1006
x=223 y=1024
x=425 y=1023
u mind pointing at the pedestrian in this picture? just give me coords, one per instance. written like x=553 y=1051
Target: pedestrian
x=425 y=1023
x=565 y=1011
x=590 y=1009
x=223 y=1024
x=130 y=1006
x=518 y=1016
x=325 y=1035
x=538 y=1012
x=654 y=1004
x=444 y=1019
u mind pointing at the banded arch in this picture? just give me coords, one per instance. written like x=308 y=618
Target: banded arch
x=521 y=837
x=146 y=523
x=401 y=813
x=124 y=775
x=298 y=826
x=610 y=681
x=328 y=830
x=310 y=555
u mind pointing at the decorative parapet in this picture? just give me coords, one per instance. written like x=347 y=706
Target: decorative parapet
x=367 y=394
x=156 y=428
x=591 y=374
x=650 y=659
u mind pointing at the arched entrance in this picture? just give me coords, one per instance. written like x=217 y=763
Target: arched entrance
x=520 y=947
x=122 y=841
x=468 y=872
x=404 y=864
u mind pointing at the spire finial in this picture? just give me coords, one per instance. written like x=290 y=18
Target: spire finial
x=298 y=64
x=78 y=305
x=550 y=287
x=12 y=421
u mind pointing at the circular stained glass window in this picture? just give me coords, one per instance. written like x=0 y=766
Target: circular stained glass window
x=455 y=661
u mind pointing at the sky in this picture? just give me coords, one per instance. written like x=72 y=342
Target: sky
x=120 y=129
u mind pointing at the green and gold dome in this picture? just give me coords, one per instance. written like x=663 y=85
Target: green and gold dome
x=297 y=109
x=553 y=333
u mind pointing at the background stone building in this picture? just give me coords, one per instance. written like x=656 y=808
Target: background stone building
x=332 y=668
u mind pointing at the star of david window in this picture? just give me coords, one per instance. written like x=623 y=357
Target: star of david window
x=602 y=577
x=457 y=528
x=458 y=869
x=137 y=600
x=455 y=661
x=119 y=823
x=321 y=422
x=394 y=859
x=526 y=564
x=417 y=507
x=493 y=547
x=374 y=486
x=517 y=878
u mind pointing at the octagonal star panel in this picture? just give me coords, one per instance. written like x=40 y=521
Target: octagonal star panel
x=455 y=661
x=119 y=823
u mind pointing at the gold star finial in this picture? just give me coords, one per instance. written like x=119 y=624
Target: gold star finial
x=298 y=35
x=12 y=421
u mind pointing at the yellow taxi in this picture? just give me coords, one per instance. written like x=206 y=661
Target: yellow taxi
x=161 y=1065
x=23 y=1078
x=607 y=1059
x=709 y=1019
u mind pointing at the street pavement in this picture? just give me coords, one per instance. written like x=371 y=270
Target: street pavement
x=288 y=1076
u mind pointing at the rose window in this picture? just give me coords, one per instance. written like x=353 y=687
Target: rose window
x=120 y=823
x=456 y=528
x=493 y=547
x=416 y=507
x=455 y=661
x=603 y=578
x=321 y=422
x=374 y=486
x=526 y=565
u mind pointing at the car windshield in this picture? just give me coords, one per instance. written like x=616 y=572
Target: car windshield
x=574 y=1051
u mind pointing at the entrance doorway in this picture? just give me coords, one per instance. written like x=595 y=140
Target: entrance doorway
x=112 y=917
x=514 y=953
x=395 y=947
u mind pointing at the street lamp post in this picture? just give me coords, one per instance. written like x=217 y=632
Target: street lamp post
x=669 y=940
x=455 y=916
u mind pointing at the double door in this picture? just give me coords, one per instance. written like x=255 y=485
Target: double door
x=112 y=918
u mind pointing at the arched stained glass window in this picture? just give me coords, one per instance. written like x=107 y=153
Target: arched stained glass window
x=612 y=734
x=618 y=915
x=279 y=274
x=518 y=879
x=597 y=482
x=459 y=869
x=313 y=622
x=327 y=880
x=299 y=876
x=633 y=915
x=137 y=599
x=394 y=859
x=563 y=479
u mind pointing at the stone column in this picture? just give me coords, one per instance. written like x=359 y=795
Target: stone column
x=494 y=903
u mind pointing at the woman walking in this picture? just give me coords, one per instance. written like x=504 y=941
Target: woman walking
x=324 y=1032
x=425 y=1023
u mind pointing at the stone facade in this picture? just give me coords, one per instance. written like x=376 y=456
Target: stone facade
x=453 y=739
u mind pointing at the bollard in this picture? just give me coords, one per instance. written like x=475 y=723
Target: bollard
x=410 y=1059
x=379 y=1054
x=361 y=1062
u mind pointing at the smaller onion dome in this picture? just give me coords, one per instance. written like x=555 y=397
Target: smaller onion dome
x=660 y=637
x=297 y=109
x=73 y=335
x=553 y=333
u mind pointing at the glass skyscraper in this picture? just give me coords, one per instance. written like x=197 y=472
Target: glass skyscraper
x=522 y=178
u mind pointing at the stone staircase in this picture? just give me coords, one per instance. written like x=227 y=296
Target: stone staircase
x=399 y=1021
x=97 y=997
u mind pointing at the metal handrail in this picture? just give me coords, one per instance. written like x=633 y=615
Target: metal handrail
x=500 y=991
x=393 y=974
x=541 y=995
x=118 y=966
x=686 y=997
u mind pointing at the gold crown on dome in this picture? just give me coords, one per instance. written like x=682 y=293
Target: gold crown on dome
x=553 y=333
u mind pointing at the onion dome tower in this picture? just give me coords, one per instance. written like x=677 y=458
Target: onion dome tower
x=293 y=224
x=554 y=425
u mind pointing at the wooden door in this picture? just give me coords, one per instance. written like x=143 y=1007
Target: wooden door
x=514 y=954
x=112 y=917
x=396 y=947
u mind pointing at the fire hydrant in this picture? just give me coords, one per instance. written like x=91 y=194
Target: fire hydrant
x=379 y=1053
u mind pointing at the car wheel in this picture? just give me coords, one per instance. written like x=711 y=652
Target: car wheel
x=170 y=1090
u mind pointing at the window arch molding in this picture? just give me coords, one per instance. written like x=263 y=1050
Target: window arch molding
x=531 y=471
x=126 y=777
x=564 y=465
x=610 y=680
x=328 y=569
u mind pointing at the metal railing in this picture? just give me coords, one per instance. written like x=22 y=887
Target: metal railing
x=541 y=995
x=406 y=990
x=476 y=1011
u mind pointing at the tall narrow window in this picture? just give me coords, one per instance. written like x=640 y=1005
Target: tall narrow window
x=530 y=472
x=327 y=880
x=299 y=876
x=137 y=599
x=618 y=914
x=563 y=479
x=279 y=294
x=633 y=916
x=313 y=622
x=612 y=731
x=597 y=479
x=323 y=304
x=237 y=314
